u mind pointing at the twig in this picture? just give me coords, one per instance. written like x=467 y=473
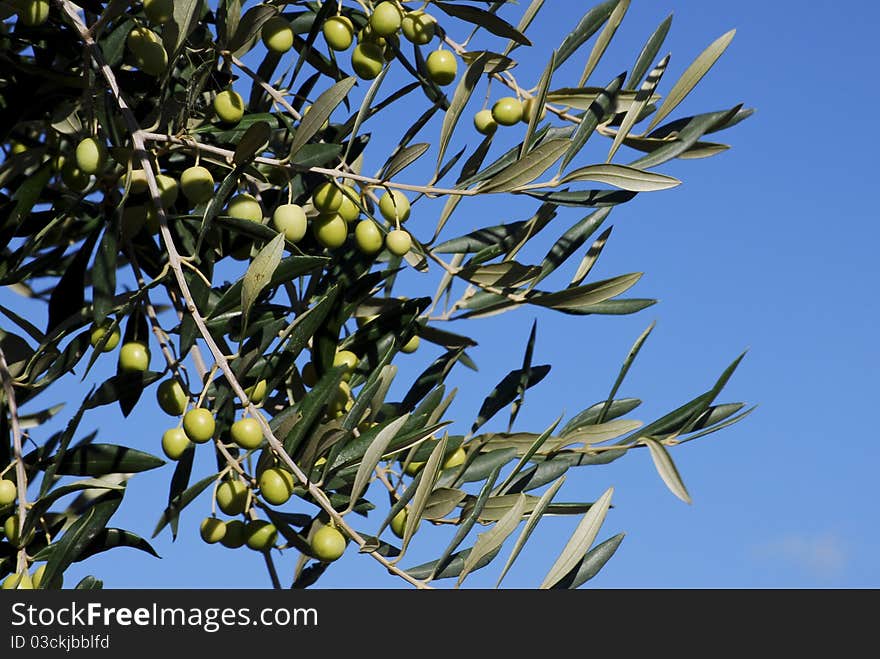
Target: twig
x=326 y=171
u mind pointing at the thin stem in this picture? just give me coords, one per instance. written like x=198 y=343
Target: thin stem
x=270 y=567
x=326 y=171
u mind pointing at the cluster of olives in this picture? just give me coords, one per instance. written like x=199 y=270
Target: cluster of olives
x=379 y=38
x=506 y=111
x=10 y=529
x=337 y=207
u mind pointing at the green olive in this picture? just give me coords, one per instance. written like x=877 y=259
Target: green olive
x=398 y=242
x=394 y=206
x=385 y=19
x=290 y=219
x=442 y=67
x=247 y=433
x=328 y=544
x=34 y=12
x=529 y=110
x=197 y=184
x=277 y=34
x=245 y=207
x=91 y=155
x=98 y=334
x=330 y=230
x=368 y=236
x=327 y=197
x=455 y=459
x=229 y=106
x=168 y=190
x=398 y=523
x=338 y=32
x=412 y=345
x=418 y=27
x=485 y=123
x=212 y=530
x=134 y=357
x=507 y=111
x=171 y=397
x=234 y=535
x=276 y=485
x=159 y=11
x=7 y=492
x=232 y=497
x=257 y=393
x=367 y=60
x=199 y=425
x=175 y=443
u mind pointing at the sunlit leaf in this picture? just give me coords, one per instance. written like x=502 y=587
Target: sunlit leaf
x=580 y=541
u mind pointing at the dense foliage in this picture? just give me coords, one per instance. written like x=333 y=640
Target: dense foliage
x=201 y=216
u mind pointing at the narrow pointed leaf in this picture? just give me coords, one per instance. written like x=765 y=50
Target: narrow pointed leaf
x=102 y=459
x=572 y=240
x=468 y=522
x=589 y=567
x=649 y=53
x=491 y=541
x=624 y=369
x=719 y=426
x=589 y=260
x=111 y=538
x=581 y=296
x=528 y=168
x=181 y=501
x=403 y=159
x=540 y=440
x=484 y=19
x=259 y=273
x=538 y=104
x=642 y=98
x=372 y=456
x=218 y=201
x=460 y=97
x=505 y=392
x=688 y=135
x=254 y=140
x=667 y=469
x=524 y=22
x=320 y=112
x=525 y=373
x=79 y=535
x=428 y=475
x=292 y=266
x=604 y=39
x=580 y=541
x=595 y=114
x=364 y=109
x=532 y=522
x=692 y=75
x=586 y=27
x=623 y=177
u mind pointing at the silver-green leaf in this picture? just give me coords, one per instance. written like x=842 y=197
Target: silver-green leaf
x=259 y=273
x=580 y=541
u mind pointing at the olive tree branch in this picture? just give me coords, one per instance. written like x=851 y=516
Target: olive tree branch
x=140 y=151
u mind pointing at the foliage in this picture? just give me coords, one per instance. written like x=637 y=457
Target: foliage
x=120 y=235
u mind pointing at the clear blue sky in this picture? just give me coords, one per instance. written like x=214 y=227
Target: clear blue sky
x=769 y=246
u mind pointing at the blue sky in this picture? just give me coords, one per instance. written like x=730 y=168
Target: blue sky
x=767 y=247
